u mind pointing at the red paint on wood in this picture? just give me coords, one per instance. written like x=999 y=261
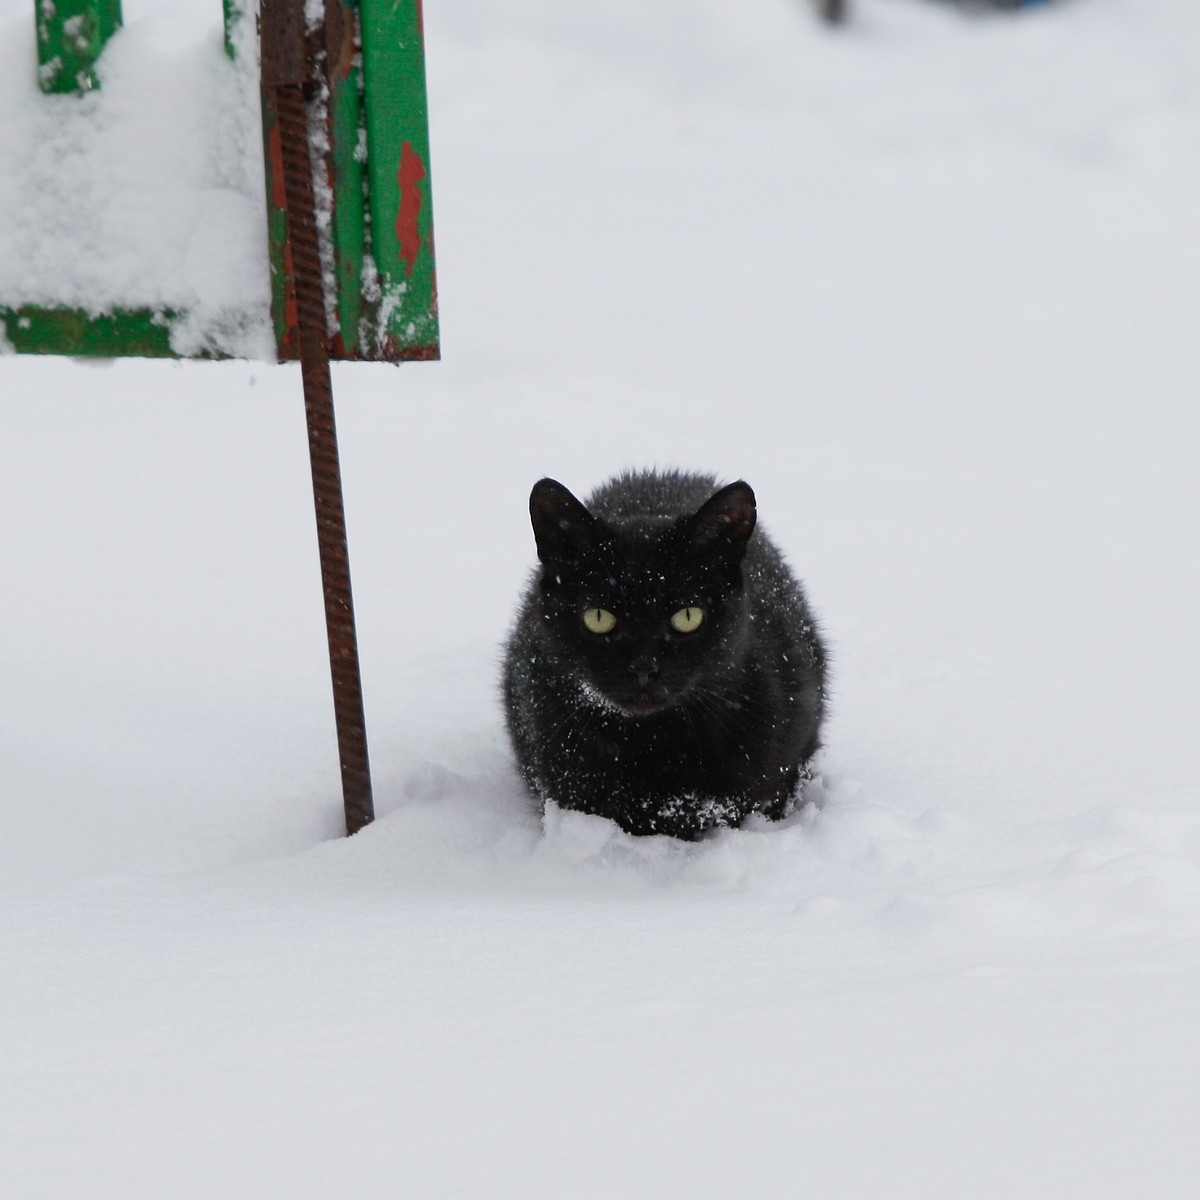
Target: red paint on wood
x=408 y=233
x=397 y=351
x=340 y=40
x=288 y=347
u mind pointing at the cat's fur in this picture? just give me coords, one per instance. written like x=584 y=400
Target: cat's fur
x=662 y=731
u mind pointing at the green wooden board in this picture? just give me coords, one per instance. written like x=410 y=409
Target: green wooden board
x=399 y=195
x=376 y=171
x=122 y=333
x=70 y=36
x=346 y=173
x=381 y=221
x=232 y=15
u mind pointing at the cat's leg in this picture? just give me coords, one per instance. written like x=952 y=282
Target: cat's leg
x=777 y=797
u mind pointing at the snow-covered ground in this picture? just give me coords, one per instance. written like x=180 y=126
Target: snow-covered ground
x=931 y=284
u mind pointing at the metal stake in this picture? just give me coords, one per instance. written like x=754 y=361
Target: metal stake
x=289 y=74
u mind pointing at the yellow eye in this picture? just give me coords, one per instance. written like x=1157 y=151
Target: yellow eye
x=599 y=620
x=688 y=620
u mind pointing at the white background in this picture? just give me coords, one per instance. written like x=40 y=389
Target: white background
x=931 y=284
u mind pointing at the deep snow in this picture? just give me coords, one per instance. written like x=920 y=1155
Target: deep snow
x=930 y=284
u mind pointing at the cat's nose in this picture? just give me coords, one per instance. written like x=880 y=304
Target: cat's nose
x=645 y=669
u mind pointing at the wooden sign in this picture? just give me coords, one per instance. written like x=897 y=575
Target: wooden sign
x=376 y=210
x=350 y=243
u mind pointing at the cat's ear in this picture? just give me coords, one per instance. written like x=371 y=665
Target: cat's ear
x=564 y=529
x=724 y=521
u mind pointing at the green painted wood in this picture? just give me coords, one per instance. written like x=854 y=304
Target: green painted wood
x=346 y=175
x=232 y=10
x=122 y=333
x=342 y=170
x=399 y=194
x=70 y=37
x=283 y=306
x=376 y=167
x=383 y=311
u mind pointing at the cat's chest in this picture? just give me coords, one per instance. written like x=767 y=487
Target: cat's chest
x=685 y=745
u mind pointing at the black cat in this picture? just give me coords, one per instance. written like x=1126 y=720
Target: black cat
x=664 y=670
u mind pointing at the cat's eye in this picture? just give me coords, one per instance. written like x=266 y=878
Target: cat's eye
x=688 y=620
x=599 y=620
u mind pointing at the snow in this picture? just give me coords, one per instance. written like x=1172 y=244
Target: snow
x=147 y=194
x=929 y=283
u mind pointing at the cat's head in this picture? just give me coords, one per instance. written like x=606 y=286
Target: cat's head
x=643 y=610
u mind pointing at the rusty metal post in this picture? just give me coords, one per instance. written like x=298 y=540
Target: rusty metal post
x=292 y=63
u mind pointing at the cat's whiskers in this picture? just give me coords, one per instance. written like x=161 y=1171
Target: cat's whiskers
x=690 y=717
x=594 y=696
x=726 y=707
x=713 y=711
x=565 y=730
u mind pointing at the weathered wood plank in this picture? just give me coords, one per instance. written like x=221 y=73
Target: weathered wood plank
x=121 y=333
x=70 y=37
x=399 y=194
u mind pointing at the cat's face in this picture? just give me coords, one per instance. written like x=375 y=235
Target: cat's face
x=641 y=614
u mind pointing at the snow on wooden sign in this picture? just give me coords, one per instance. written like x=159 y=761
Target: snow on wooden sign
x=139 y=219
